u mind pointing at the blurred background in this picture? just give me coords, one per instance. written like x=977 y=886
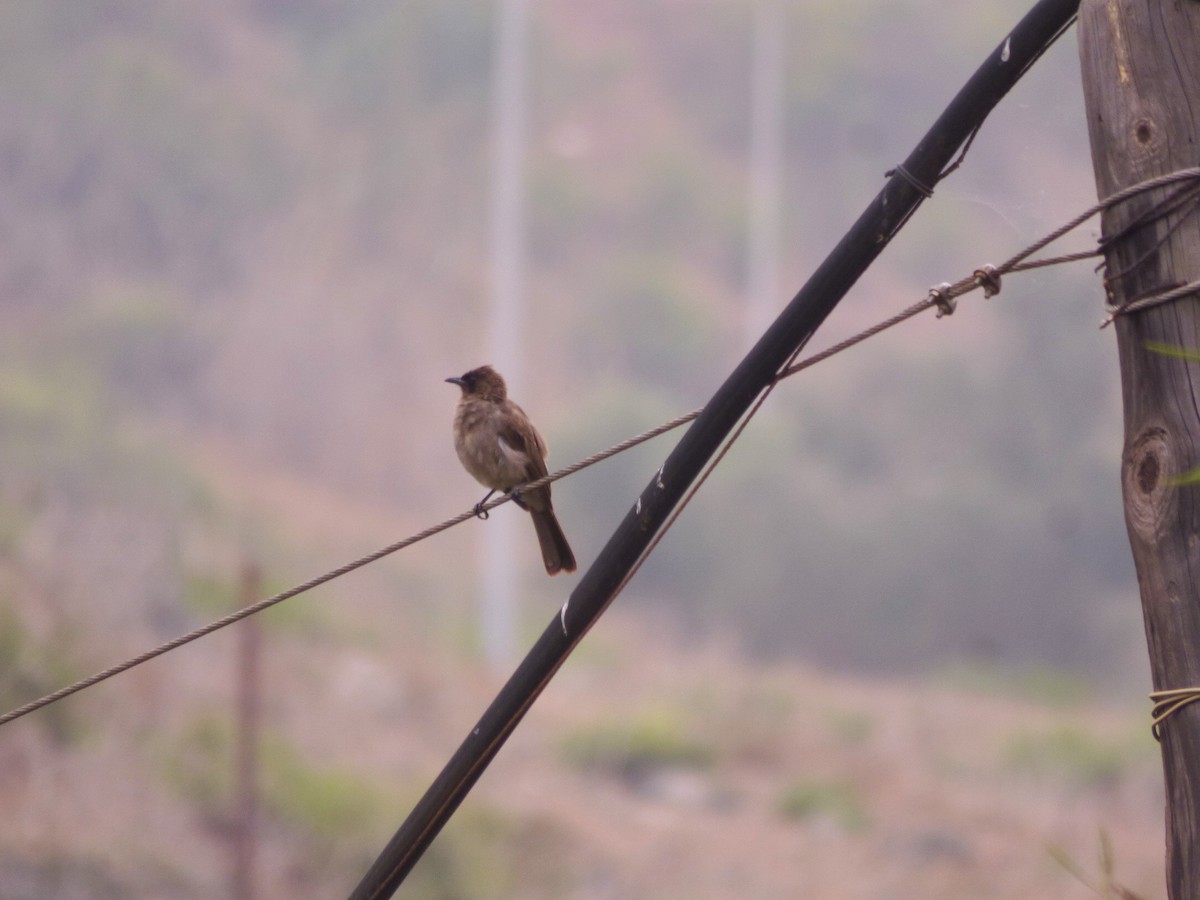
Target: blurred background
x=893 y=648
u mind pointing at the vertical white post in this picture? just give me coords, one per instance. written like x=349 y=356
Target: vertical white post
x=499 y=576
x=766 y=165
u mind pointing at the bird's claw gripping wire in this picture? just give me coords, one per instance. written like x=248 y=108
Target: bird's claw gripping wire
x=480 y=512
x=513 y=493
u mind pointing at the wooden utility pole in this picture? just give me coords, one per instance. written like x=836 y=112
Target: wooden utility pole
x=1141 y=81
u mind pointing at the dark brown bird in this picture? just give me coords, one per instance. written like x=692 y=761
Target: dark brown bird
x=500 y=447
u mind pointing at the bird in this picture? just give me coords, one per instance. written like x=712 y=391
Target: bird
x=502 y=450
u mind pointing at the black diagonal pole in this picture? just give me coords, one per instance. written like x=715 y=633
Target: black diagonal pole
x=596 y=589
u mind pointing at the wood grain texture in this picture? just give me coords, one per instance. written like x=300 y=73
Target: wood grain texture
x=1141 y=77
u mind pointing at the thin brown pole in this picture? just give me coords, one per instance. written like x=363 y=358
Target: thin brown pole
x=248 y=688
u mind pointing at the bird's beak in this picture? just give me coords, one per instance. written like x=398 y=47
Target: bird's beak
x=456 y=380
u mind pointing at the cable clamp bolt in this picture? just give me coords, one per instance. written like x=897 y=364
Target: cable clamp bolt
x=989 y=279
x=943 y=299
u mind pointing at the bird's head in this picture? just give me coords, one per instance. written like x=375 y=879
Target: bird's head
x=484 y=382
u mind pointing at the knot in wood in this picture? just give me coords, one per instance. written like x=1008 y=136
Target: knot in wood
x=1143 y=131
x=1149 y=492
x=1147 y=474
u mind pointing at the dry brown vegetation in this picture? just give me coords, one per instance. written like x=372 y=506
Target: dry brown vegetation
x=653 y=766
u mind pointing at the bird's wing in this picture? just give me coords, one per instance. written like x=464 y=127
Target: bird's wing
x=518 y=433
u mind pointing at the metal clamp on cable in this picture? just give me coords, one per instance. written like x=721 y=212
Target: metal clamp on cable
x=988 y=278
x=941 y=297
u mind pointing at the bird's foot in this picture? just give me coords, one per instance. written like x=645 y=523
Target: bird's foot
x=480 y=512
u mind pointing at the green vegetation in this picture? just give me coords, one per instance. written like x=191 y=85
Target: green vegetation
x=336 y=817
x=851 y=727
x=484 y=853
x=320 y=802
x=632 y=748
x=1070 y=752
x=652 y=296
x=1056 y=688
x=837 y=801
x=197 y=765
x=214 y=595
x=48 y=418
x=31 y=668
x=332 y=804
x=209 y=595
x=15 y=517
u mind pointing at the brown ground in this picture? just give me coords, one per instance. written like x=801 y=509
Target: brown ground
x=651 y=767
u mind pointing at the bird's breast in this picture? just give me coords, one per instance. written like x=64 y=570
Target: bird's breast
x=491 y=461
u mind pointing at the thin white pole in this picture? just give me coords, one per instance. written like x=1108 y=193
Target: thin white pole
x=499 y=576
x=766 y=166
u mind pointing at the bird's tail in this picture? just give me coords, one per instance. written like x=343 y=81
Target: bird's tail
x=556 y=552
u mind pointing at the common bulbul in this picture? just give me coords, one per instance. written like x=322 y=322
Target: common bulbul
x=499 y=446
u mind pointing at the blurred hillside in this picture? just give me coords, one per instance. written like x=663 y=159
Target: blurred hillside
x=262 y=224
x=243 y=242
